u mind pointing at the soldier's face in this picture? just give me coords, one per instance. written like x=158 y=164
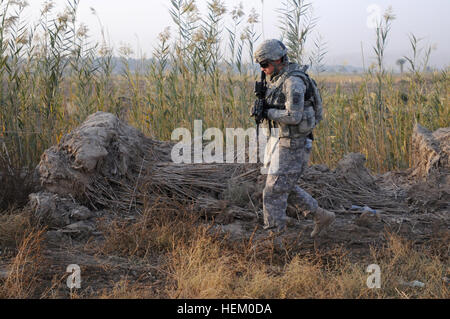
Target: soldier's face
x=267 y=68
x=271 y=67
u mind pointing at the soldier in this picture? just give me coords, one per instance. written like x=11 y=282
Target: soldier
x=295 y=107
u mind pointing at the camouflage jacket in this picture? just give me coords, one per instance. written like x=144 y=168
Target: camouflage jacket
x=289 y=111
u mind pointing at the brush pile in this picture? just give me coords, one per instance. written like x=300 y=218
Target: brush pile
x=107 y=165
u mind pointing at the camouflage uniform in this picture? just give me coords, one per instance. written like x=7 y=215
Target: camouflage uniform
x=287 y=153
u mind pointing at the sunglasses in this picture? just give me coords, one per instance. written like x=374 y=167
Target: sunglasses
x=264 y=64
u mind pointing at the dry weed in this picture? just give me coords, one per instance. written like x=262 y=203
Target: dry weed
x=124 y=289
x=23 y=279
x=201 y=268
x=14 y=226
x=159 y=228
x=205 y=268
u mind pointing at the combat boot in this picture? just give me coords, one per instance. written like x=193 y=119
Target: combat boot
x=322 y=219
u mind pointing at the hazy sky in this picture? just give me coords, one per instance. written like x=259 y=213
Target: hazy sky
x=343 y=24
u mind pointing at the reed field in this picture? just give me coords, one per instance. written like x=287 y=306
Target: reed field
x=53 y=76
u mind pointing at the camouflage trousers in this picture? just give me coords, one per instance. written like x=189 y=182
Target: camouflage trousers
x=279 y=191
x=281 y=187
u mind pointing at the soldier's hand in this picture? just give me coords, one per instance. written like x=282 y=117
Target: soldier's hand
x=252 y=112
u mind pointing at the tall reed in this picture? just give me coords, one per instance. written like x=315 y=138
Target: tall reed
x=53 y=76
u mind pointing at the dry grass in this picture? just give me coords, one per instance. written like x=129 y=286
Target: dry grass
x=404 y=263
x=23 y=278
x=21 y=244
x=198 y=263
x=158 y=229
x=14 y=226
x=207 y=269
x=202 y=268
x=124 y=289
x=191 y=260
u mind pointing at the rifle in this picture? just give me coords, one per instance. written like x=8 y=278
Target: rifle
x=260 y=104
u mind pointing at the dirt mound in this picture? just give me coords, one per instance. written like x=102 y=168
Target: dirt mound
x=351 y=168
x=429 y=189
x=103 y=151
x=430 y=154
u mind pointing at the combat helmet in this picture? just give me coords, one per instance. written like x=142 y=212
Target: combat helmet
x=270 y=50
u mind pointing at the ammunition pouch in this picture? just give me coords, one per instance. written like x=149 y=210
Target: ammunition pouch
x=308 y=121
x=304 y=128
